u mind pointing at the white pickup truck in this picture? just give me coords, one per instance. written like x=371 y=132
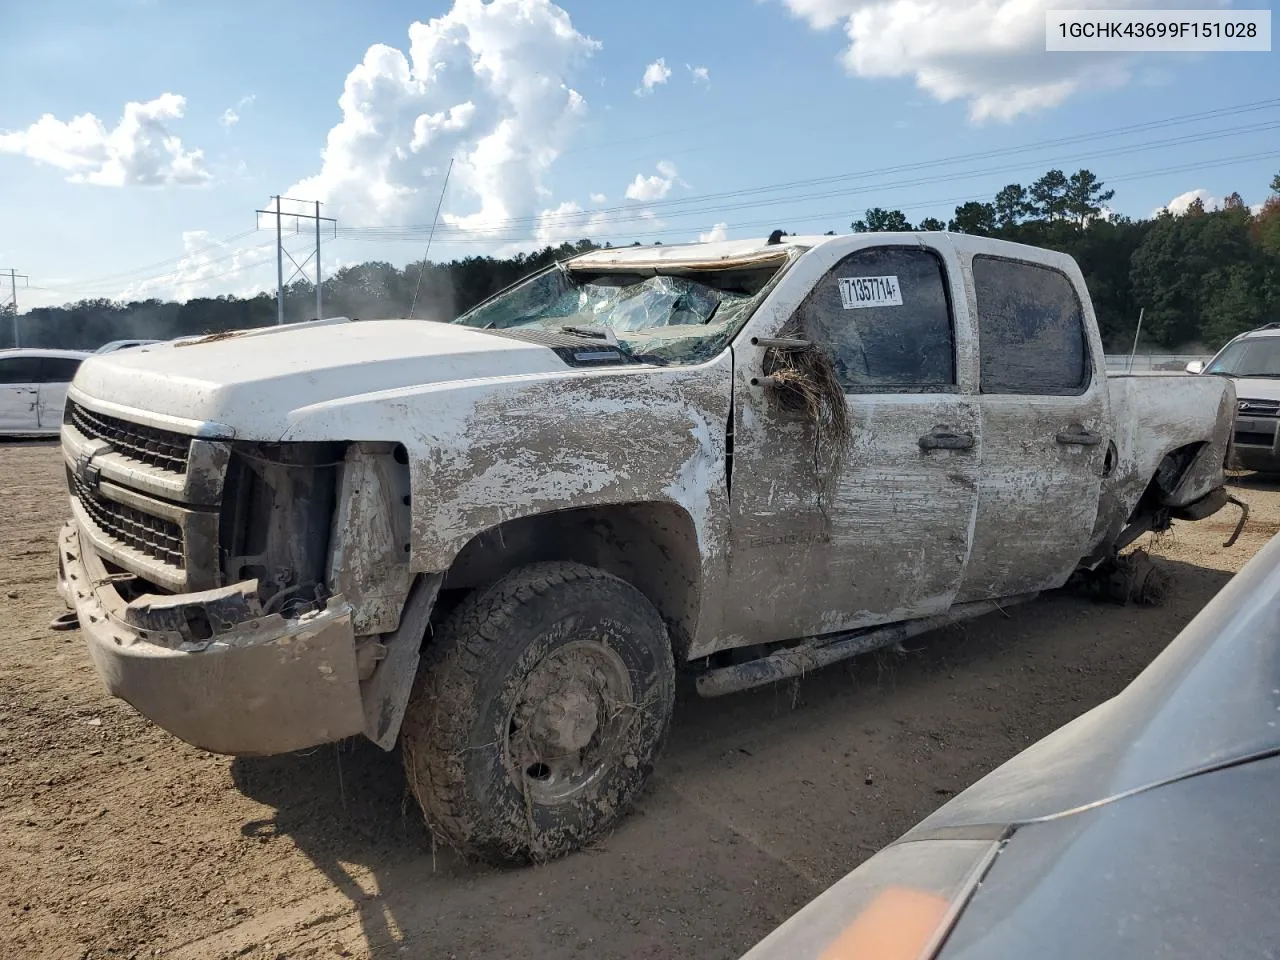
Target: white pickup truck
x=493 y=541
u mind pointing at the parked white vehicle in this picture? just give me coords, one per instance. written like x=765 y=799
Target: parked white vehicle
x=33 y=389
x=115 y=345
x=493 y=541
x=1252 y=362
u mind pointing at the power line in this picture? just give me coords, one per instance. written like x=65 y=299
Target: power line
x=207 y=278
x=212 y=245
x=227 y=254
x=705 y=206
x=634 y=215
x=829 y=214
x=1233 y=110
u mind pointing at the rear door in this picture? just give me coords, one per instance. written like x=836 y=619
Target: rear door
x=19 y=394
x=56 y=374
x=1045 y=424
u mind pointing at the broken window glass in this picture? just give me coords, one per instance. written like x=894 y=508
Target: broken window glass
x=667 y=317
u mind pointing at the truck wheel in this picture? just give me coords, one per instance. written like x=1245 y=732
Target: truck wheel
x=539 y=709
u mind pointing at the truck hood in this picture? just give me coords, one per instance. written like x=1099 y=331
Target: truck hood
x=246 y=383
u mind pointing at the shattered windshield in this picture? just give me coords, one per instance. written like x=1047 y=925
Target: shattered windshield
x=664 y=318
x=1249 y=358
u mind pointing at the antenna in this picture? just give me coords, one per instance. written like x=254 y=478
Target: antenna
x=423 y=269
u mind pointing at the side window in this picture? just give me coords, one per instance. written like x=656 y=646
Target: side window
x=1030 y=329
x=58 y=369
x=19 y=370
x=886 y=316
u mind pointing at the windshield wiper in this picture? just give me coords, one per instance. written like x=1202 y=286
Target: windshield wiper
x=595 y=333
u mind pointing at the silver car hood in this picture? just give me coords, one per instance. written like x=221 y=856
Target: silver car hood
x=1257 y=388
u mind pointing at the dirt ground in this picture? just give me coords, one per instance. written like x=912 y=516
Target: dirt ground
x=117 y=840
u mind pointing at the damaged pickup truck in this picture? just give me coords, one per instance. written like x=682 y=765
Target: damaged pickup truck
x=493 y=542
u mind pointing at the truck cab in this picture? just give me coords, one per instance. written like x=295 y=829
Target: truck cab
x=491 y=543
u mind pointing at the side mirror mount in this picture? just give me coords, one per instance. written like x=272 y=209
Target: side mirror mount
x=1195 y=367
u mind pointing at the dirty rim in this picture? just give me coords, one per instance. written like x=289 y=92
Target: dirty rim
x=569 y=722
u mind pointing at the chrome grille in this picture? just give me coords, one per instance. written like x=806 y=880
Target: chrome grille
x=163 y=449
x=151 y=536
x=1259 y=408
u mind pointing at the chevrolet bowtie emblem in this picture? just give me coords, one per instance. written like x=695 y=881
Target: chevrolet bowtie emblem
x=85 y=471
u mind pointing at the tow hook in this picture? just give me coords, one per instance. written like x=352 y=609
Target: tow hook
x=1244 y=515
x=68 y=621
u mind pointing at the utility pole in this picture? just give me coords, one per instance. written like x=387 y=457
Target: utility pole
x=279 y=269
x=281 y=252
x=319 y=309
x=14 y=276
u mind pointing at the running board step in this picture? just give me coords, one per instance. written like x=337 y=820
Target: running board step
x=832 y=648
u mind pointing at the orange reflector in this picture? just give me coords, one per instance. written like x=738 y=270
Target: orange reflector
x=898 y=925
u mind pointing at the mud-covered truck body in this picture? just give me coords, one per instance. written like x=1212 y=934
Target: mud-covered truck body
x=494 y=541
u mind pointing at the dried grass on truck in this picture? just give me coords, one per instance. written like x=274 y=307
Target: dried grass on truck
x=806 y=380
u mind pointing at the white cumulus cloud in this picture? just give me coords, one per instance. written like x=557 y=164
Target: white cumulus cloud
x=656 y=186
x=717 y=233
x=487 y=85
x=1179 y=204
x=655 y=74
x=569 y=221
x=140 y=150
x=988 y=53
x=700 y=74
x=647 y=189
x=210 y=267
x=598 y=198
x=231 y=115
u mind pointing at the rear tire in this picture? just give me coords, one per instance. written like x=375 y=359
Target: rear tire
x=538 y=712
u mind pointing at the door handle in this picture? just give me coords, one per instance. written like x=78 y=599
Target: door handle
x=946 y=440
x=1079 y=437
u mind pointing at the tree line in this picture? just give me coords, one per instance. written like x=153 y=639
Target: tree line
x=1201 y=276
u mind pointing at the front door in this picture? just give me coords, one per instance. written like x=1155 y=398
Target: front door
x=19 y=394
x=1045 y=426
x=823 y=543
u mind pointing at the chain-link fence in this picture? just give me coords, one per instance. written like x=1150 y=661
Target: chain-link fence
x=1152 y=362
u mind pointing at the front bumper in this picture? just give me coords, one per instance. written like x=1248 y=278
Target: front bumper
x=257 y=687
x=1261 y=459
x=1257 y=446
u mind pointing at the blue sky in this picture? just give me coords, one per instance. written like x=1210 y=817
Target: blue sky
x=543 y=109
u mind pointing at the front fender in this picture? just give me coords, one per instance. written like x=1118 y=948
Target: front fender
x=484 y=452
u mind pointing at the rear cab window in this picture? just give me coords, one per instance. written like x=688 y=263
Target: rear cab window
x=1031 y=333
x=885 y=314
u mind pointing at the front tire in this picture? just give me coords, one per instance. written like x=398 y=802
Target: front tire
x=538 y=712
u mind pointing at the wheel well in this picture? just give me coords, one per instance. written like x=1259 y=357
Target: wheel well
x=653 y=546
x=1168 y=475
